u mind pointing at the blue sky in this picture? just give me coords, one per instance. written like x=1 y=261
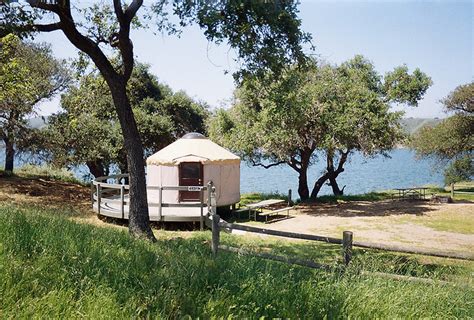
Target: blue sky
x=435 y=36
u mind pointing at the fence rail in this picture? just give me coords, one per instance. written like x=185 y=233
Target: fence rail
x=346 y=241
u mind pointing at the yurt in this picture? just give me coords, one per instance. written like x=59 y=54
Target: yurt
x=194 y=160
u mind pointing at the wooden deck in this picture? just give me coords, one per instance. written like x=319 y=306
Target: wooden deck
x=110 y=198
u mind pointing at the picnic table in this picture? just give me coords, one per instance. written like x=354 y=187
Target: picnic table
x=412 y=193
x=257 y=207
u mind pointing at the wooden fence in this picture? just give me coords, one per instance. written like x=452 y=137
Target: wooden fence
x=460 y=189
x=346 y=242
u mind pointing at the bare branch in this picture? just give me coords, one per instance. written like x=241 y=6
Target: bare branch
x=51 y=7
x=266 y=166
x=47 y=27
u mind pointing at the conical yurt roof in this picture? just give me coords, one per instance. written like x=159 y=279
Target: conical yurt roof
x=192 y=147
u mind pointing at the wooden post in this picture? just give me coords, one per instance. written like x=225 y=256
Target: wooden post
x=209 y=190
x=289 y=197
x=213 y=201
x=201 y=200
x=122 y=201
x=160 y=196
x=92 y=193
x=215 y=233
x=99 y=197
x=452 y=190
x=347 y=247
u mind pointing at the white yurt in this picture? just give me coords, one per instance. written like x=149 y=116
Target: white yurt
x=194 y=160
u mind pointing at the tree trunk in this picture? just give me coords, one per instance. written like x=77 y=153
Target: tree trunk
x=97 y=168
x=9 y=154
x=318 y=185
x=335 y=187
x=139 y=220
x=303 y=190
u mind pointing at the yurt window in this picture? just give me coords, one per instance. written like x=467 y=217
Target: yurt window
x=190 y=174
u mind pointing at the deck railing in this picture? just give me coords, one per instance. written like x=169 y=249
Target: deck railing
x=103 y=192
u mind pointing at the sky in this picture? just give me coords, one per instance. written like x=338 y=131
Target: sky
x=435 y=36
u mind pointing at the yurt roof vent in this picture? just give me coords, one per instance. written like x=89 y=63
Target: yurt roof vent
x=193 y=135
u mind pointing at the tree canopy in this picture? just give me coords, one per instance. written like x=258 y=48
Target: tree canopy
x=29 y=74
x=452 y=140
x=87 y=130
x=333 y=109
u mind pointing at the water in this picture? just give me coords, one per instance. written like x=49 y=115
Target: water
x=361 y=175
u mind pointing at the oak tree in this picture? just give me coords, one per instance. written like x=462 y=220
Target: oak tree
x=265 y=35
x=29 y=75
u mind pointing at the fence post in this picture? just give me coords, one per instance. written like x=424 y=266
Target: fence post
x=213 y=200
x=347 y=247
x=122 y=201
x=209 y=190
x=289 y=197
x=215 y=233
x=452 y=190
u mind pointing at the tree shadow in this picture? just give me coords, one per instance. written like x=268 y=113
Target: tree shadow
x=369 y=208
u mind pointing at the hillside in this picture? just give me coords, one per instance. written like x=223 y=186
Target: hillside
x=412 y=125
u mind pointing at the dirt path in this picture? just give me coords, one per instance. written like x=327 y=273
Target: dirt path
x=415 y=224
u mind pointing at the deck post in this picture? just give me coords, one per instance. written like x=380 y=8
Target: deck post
x=122 y=201
x=201 y=200
x=92 y=193
x=215 y=233
x=160 y=201
x=99 y=197
x=347 y=247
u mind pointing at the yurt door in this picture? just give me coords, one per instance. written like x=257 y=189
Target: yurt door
x=190 y=174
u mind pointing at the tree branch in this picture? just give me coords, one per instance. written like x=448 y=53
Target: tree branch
x=259 y=164
x=47 y=27
x=132 y=9
x=340 y=166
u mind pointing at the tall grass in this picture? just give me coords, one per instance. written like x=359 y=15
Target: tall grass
x=52 y=267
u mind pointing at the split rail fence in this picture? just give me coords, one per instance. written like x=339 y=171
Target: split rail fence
x=217 y=225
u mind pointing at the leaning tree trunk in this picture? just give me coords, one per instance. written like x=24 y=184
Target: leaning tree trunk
x=335 y=187
x=138 y=210
x=318 y=185
x=9 y=154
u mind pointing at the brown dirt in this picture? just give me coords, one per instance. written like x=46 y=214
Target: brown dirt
x=387 y=222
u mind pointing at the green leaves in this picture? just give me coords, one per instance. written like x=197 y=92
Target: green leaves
x=88 y=131
x=401 y=87
x=265 y=34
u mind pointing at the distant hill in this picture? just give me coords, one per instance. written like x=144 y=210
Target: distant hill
x=412 y=125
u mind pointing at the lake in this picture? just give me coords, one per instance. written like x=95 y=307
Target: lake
x=361 y=174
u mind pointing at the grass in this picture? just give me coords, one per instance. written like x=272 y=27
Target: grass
x=52 y=267
x=451 y=221
x=247 y=198
x=44 y=172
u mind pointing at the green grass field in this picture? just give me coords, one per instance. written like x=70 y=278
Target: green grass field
x=53 y=267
